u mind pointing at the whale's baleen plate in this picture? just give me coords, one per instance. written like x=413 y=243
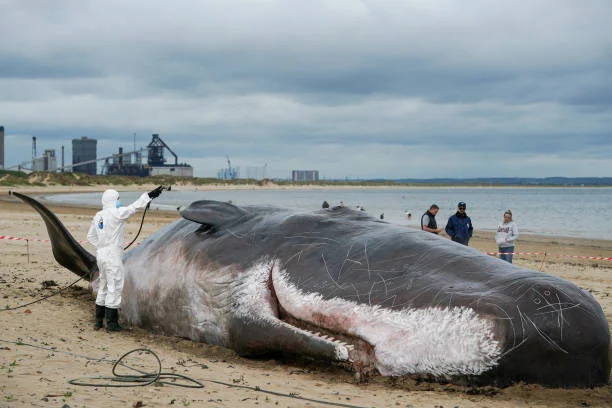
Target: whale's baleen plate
x=337 y=284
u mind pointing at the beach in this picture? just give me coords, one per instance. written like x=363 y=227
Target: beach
x=46 y=344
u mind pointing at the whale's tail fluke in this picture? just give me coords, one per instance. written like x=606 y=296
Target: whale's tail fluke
x=66 y=250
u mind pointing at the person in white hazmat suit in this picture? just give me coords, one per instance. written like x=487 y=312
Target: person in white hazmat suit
x=106 y=234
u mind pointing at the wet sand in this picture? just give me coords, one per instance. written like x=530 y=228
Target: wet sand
x=44 y=345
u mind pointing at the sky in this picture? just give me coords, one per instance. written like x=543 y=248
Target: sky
x=354 y=89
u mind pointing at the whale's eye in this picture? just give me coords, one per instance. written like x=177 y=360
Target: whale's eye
x=547 y=292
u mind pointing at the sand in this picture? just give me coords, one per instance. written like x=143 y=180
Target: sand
x=46 y=344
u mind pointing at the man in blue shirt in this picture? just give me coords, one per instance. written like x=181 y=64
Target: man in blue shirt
x=459 y=226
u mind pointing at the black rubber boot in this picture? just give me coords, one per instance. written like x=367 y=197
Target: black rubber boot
x=112 y=320
x=100 y=312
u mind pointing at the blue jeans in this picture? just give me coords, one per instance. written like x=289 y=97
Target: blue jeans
x=463 y=241
x=506 y=253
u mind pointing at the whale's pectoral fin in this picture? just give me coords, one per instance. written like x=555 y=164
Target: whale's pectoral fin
x=212 y=213
x=257 y=336
x=66 y=250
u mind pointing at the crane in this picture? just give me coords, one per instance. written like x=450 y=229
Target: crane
x=229 y=173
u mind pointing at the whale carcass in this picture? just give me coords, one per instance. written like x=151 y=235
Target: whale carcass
x=338 y=285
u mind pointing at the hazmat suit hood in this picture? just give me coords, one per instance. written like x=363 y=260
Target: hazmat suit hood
x=109 y=199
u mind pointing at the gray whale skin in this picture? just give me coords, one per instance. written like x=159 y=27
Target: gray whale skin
x=338 y=285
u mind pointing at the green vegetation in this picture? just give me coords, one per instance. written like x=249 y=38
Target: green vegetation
x=12 y=178
x=10 y=368
x=17 y=178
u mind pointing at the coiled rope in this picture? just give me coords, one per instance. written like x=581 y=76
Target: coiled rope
x=144 y=379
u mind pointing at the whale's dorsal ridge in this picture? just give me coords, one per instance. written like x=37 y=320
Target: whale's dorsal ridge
x=212 y=213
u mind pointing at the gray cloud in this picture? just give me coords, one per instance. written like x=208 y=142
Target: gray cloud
x=352 y=88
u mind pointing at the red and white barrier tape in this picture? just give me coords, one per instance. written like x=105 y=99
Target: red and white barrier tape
x=11 y=238
x=594 y=258
x=516 y=253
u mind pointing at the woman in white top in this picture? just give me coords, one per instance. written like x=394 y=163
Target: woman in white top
x=506 y=235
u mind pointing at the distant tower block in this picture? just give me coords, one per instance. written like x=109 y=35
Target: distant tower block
x=305 y=175
x=84 y=150
x=1 y=147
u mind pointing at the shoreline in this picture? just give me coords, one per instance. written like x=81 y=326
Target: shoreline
x=56 y=188
x=38 y=375
x=558 y=248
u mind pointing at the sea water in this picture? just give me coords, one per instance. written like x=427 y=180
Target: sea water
x=570 y=212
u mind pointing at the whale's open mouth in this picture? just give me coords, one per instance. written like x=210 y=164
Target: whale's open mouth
x=361 y=357
x=443 y=342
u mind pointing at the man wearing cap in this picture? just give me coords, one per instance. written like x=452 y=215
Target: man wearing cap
x=459 y=226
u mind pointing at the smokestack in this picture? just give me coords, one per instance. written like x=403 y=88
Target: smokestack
x=62 y=158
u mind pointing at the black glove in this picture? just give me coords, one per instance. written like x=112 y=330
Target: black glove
x=155 y=193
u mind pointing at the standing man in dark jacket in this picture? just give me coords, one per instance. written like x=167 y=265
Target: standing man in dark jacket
x=459 y=226
x=428 y=220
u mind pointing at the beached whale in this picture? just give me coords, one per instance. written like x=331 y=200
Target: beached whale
x=336 y=284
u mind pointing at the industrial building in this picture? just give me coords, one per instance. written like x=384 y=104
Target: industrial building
x=47 y=162
x=177 y=171
x=305 y=175
x=1 y=147
x=122 y=163
x=256 y=172
x=126 y=164
x=85 y=160
x=84 y=150
x=157 y=162
x=249 y=172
